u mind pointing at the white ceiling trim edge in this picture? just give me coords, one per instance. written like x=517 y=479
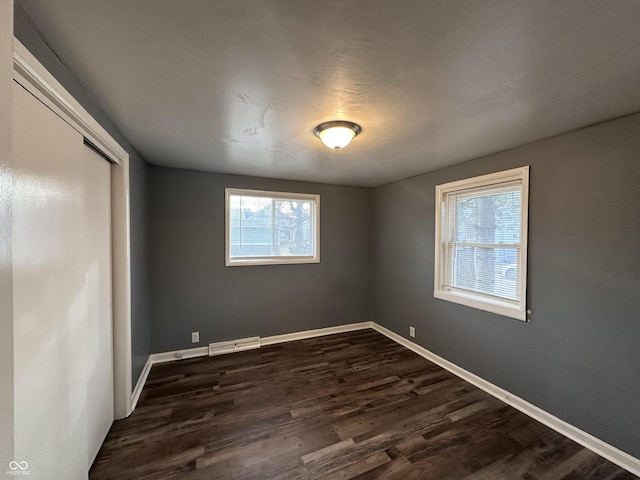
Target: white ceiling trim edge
x=29 y=73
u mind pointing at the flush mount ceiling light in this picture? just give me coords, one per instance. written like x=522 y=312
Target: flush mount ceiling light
x=337 y=134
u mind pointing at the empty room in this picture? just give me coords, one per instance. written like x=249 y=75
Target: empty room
x=277 y=239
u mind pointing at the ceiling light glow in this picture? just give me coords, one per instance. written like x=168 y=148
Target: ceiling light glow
x=337 y=134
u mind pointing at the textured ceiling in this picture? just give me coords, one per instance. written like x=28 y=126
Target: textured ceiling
x=236 y=86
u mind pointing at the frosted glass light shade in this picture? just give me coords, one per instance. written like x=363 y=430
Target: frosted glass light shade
x=337 y=137
x=337 y=134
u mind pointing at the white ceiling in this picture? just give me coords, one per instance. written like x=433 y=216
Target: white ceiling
x=236 y=86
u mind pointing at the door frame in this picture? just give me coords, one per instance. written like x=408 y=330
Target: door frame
x=34 y=77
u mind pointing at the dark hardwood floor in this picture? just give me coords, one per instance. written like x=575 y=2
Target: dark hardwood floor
x=353 y=405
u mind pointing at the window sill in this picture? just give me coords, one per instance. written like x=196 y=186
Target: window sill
x=242 y=262
x=487 y=305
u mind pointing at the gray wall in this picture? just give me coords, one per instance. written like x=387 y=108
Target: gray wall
x=140 y=320
x=192 y=290
x=579 y=357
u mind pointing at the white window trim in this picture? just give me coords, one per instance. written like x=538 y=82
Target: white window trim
x=275 y=259
x=506 y=308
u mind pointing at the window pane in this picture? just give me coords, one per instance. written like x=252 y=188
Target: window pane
x=487 y=218
x=261 y=227
x=293 y=227
x=251 y=228
x=491 y=271
x=477 y=220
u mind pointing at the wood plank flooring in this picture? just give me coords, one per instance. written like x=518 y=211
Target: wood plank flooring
x=347 y=406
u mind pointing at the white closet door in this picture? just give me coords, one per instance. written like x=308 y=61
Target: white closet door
x=62 y=292
x=97 y=222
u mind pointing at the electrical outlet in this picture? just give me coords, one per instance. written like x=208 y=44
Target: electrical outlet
x=412 y=332
x=195 y=337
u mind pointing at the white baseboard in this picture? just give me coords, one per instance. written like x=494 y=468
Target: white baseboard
x=179 y=355
x=319 y=332
x=162 y=358
x=232 y=346
x=142 y=379
x=585 y=439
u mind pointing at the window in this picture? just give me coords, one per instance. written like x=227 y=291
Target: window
x=265 y=228
x=481 y=242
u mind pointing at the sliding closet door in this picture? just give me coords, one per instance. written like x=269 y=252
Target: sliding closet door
x=97 y=248
x=62 y=294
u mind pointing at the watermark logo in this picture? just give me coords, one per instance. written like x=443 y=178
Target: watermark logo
x=18 y=468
